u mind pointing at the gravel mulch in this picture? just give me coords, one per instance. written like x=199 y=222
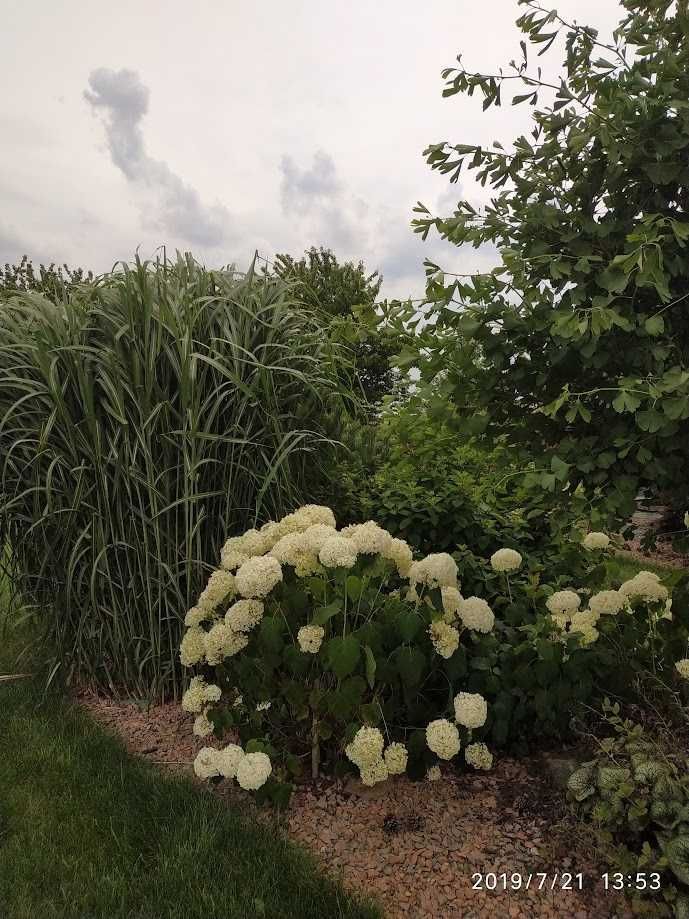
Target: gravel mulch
x=417 y=848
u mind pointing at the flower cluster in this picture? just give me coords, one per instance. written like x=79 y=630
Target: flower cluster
x=479 y=756
x=644 y=586
x=596 y=541
x=505 y=560
x=374 y=763
x=251 y=770
x=471 y=710
x=476 y=614
x=442 y=737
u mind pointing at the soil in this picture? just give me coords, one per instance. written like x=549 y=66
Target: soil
x=422 y=850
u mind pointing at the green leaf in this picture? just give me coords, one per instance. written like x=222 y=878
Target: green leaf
x=354 y=587
x=677 y=855
x=343 y=654
x=370 y=665
x=411 y=666
x=408 y=623
x=655 y=325
x=324 y=613
x=270 y=634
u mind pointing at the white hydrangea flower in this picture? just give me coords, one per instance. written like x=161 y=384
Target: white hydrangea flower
x=433 y=774
x=222 y=641
x=682 y=667
x=471 y=710
x=206 y=763
x=607 y=602
x=442 y=738
x=316 y=535
x=445 y=638
x=436 y=570
x=220 y=587
x=307 y=516
x=228 y=759
x=270 y=533
x=310 y=638
x=202 y=725
x=376 y=772
x=596 y=541
x=505 y=560
x=198 y=694
x=244 y=615
x=307 y=565
x=563 y=601
x=253 y=770
x=476 y=614
x=588 y=634
x=451 y=600
x=369 y=538
x=290 y=549
x=192 y=649
x=338 y=552
x=561 y=620
x=395 y=758
x=583 y=620
x=255 y=542
x=366 y=749
x=644 y=586
x=479 y=756
x=196 y=615
x=398 y=551
x=258 y=576
x=232 y=554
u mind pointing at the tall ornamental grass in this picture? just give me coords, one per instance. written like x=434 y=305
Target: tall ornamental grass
x=141 y=420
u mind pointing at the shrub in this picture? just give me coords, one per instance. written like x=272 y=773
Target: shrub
x=337 y=647
x=142 y=420
x=635 y=794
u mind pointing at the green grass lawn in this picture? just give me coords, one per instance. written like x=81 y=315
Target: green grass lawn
x=87 y=831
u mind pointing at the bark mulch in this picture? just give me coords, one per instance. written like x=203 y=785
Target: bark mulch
x=415 y=847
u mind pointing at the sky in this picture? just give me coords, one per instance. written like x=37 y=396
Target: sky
x=225 y=128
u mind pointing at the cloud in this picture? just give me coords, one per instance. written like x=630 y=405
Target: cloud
x=122 y=100
x=320 y=201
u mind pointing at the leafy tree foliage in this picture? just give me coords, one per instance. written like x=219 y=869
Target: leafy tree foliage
x=53 y=280
x=344 y=294
x=577 y=344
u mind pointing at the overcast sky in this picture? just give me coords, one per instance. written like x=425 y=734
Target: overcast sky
x=226 y=127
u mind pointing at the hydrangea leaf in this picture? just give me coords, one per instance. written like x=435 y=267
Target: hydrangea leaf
x=343 y=655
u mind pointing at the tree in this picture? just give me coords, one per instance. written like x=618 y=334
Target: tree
x=577 y=343
x=344 y=295
x=53 y=280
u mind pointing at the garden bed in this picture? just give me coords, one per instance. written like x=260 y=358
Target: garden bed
x=413 y=846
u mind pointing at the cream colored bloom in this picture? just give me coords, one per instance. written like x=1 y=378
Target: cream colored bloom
x=433 y=774
x=583 y=620
x=290 y=549
x=445 y=638
x=644 y=586
x=505 y=560
x=202 y=725
x=366 y=749
x=307 y=565
x=196 y=615
x=198 y=694
x=395 y=758
x=563 y=601
x=471 y=710
x=314 y=537
x=233 y=554
x=222 y=641
x=258 y=576
x=220 y=588
x=228 y=759
x=310 y=638
x=369 y=538
x=263 y=706
x=607 y=602
x=376 y=772
x=193 y=647
x=451 y=599
x=442 y=737
x=476 y=614
x=244 y=615
x=479 y=756
x=398 y=551
x=338 y=552
x=436 y=570
x=253 y=771
x=206 y=764
x=682 y=667
x=596 y=541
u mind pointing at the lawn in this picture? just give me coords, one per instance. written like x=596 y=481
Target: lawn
x=88 y=831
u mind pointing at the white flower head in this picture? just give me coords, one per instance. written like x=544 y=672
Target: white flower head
x=563 y=601
x=258 y=576
x=433 y=774
x=471 y=710
x=607 y=602
x=445 y=638
x=253 y=770
x=222 y=641
x=192 y=649
x=314 y=537
x=398 y=551
x=206 y=764
x=682 y=667
x=233 y=554
x=376 y=772
x=366 y=749
x=202 y=725
x=244 y=615
x=479 y=756
x=646 y=586
x=476 y=614
x=228 y=759
x=505 y=560
x=436 y=570
x=395 y=758
x=596 y=541
x=310 y=638
x=442 y=737
x=369 y=538
x=338 y=552
x=196 y=615
x=198 y=694
x=219 y=588
x=263 y=706
x=451 y=599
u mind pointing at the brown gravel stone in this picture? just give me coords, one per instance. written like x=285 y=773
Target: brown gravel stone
x=412 y=846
